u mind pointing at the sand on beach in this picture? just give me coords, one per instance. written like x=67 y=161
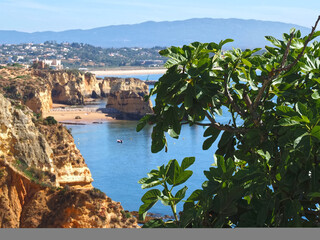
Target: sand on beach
x=129 y=71
x=85 y=117
x=68 y=115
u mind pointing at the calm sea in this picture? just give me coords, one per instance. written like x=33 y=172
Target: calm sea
x=116 y=168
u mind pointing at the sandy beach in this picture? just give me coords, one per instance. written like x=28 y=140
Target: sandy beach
x=65 y=114
x=129 y=71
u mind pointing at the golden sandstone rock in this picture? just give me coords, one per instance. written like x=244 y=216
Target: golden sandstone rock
x=38 y=89
x=44 y=181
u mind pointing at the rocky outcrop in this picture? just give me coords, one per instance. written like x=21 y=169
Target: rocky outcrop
x=18 y=133
x=70 y=87
x=40 y=101
x=70 y=167
x=127 y=96
x=38 y=89
x=130 y=104
x=110 y=85
x=44 y=181
x=29 y=89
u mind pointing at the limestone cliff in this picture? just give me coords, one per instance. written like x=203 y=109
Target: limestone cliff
x=127 y=96
x=38 y=89
x=69 y=164
x=29 y=89
x=35 y=162
x=130 y=104
x=70 y=87
x=111 y=85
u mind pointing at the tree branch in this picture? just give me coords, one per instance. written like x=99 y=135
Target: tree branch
x=304 y=47
x=218 y=126
x=230 y=99
x=285 y=55
x=276 y=72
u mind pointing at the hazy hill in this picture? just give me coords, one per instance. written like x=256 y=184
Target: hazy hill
x=246 y=33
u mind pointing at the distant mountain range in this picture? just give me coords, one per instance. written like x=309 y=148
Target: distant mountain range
x=246 y=33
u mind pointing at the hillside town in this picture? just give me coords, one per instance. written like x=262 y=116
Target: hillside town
x=77 y=55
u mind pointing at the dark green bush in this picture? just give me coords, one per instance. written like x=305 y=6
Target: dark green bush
x=49 y=121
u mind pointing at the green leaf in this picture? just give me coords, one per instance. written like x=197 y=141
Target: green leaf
x=188 y=101
x=221 y=163
x=181 y=194
x=172 y=133
x=287 y=122
x=246 y=62
x=315 y=95
x=210 y=131
x=286 y=111
x=154 y=223
x=302 y=109
x=207 y=143
x=182 y=177
x=225 y=41
x=314 y=195
x=195 y=196
x=213 y=46
x=265 y=155
x=298 y=139
x=225 y=139
x=173 y=171
x=151 y=196
x=273 y=40
x=143 y=121
x=158 y=139
x=272 y=50
x=144 y=208
x=187 y=162
x=316 y=132
x=149 y=182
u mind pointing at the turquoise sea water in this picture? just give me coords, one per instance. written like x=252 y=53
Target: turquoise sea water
x=116 y=168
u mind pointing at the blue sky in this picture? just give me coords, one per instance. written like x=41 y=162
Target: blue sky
x=58 y=15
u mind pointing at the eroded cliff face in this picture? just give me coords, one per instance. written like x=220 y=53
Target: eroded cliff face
x=113 y=84
x=28 y=88
x=18 y=133
x=70 y=167
x=70 y=87
x=44 y=181
x=127 y=96
x=38 y=89
x=130 y=104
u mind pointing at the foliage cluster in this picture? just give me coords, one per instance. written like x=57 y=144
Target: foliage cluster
x=49 y=121
x=267 y=171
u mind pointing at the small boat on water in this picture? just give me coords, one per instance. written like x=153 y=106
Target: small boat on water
x=119 y=140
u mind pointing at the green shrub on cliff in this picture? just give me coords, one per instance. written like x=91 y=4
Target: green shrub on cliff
x=49 y=121
x=267 y=165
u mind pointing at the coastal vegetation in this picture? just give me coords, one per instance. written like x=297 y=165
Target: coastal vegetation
x=266 y=169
